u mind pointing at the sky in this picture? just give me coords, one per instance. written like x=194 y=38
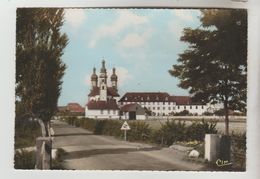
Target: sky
x=142 y=44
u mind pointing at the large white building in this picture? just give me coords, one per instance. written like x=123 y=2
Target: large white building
x=162 y=104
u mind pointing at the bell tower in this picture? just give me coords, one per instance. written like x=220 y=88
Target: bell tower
x=103 y=82
x=114 y=79
x=94 y=78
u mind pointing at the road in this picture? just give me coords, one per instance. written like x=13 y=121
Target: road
x=96 y=152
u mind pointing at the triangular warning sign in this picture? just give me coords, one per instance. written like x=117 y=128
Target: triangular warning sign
x=125 y=126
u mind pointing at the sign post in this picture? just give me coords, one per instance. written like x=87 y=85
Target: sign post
x=125 y=127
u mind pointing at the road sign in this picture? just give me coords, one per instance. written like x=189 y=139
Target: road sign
x=125 y=126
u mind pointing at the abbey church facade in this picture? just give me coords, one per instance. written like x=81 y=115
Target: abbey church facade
x=102 y=99
x=104 y=102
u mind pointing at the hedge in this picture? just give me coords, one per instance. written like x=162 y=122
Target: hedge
x=170 y=132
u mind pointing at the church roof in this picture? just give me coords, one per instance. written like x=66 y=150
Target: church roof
x=111 y=104
x=110 y=92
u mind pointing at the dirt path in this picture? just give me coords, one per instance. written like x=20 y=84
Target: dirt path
x=95 y=152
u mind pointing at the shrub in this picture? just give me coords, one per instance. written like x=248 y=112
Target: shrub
x=207 y=113
x=238 y=150
x=24 y=159
x=26 y=132
x=183 y=113
x=197 y=130
x=170 y=132
x=140 y=131
x=112 y=128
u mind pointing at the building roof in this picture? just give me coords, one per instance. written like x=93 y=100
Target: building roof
x=110 y=92
x=181 y=100
x=111 y=104
x=75 y=107
x=134 y=107
x=157 y=97
x=145 y=97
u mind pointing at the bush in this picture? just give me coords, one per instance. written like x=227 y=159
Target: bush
x=24 y=159
x=170 y=132
x=238 y=150
x=26 y=132
x=207 y=113
x=140 y=131
x=183 y=113
x=197 y=130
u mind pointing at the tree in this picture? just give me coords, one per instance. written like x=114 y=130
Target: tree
x=214 y=67
x=39 y=68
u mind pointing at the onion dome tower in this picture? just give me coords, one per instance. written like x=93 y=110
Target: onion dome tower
x=94 y=78
x=114 y=79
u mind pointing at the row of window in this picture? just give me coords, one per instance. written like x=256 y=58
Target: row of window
x=148 y=98
x=173 y=108
x=148 y=103
x=108 y=111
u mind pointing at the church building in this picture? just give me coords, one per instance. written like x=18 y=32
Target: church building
x=102 y=99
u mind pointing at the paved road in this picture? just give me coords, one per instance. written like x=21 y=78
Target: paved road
x=95 y=152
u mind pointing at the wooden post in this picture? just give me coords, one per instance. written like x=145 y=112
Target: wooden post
x=125 y=135
x=43 y=153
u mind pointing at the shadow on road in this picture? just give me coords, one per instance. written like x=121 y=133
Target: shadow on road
x=71 y=134
x=88 y=153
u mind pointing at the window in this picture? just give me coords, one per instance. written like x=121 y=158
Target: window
x=158 y=108
x=202 y=107
x=163 y=103
x=163 y=108
x=169 y=103
x=101 y=112
x=190 y=107
x=153 y=108
x=108 y=111
x=178 y=107
x=103 y=87
x=169 y=108
x=114 y=111
x=196 y=107
x=184 y=107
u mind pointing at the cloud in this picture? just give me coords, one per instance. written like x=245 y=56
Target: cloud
x=122 y=73
x=134 y=40
x=183 y=14
x=74 y=17
x=125 y=19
